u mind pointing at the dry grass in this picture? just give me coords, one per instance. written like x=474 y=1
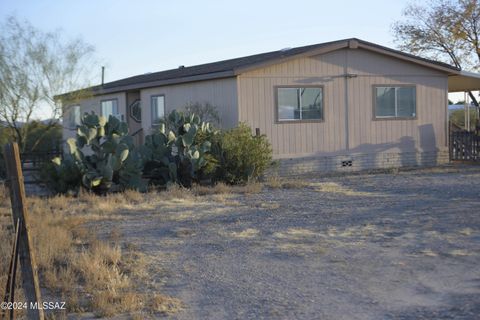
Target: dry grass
x=276 y=182
x=466 y=232
x=100 y=276
x=428 y=253
x=299 y=241
x=332 y=187
x=295 y=234
x=302 y=249
x=219 y=188
x=246 y=234
x=225 y=189
x=165 y=305
x=460 y=253
x=361 y=231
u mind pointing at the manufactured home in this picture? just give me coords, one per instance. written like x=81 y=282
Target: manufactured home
x=342 y=105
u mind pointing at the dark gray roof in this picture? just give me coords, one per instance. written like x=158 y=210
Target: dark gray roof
x=227 y=68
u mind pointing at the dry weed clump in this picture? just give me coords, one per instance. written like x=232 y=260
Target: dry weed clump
x=75 y=266
x=332 y=187
x=224 y=189
x=276 y=182
x=165 y=305
x=219 y=188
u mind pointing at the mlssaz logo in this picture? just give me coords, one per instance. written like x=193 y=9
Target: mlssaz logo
x=48 y=305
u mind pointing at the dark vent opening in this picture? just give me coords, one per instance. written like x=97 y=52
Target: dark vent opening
x=347 y=163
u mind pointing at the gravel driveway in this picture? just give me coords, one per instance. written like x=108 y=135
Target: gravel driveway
x=383 y=246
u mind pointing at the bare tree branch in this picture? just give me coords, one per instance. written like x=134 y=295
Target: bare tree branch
x=34 y=67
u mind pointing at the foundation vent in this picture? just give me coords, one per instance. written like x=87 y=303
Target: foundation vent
x=347 y=163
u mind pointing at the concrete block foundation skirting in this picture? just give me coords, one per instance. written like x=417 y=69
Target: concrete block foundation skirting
x=358 y=162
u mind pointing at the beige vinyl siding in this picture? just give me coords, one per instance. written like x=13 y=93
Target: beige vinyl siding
x=425 y=133
x=365 y=135
x=93 y=104
x=220 y=93
x=257 y=104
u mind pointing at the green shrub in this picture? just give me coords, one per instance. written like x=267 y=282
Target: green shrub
x=458 y=118
x=205 y=111
x=43 y=137
x=242 y=156
x=61 y=176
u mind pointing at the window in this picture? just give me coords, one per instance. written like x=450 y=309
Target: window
x=74 y=116
x=395 y=102
x=109 y=107
x=158 y=108
x=297 y=104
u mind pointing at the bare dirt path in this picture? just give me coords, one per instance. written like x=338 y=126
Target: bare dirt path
x=384 y=246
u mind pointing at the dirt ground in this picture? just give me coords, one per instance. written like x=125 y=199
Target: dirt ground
x=385 y=246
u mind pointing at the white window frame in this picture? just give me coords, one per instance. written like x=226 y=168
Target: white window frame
x=115 y=114
x=156 y=121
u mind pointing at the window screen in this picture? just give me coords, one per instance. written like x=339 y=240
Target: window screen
x=109 y=107
x=158 y=108
x=299 y=104
x=395 y=102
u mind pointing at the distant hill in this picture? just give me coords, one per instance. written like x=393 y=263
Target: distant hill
x=21 y=124
x=4 y=124
x=455 y=107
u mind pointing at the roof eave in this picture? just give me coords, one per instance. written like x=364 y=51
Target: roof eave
x=328 y=48
x=99 y=90
x=464 y=81
x=410 y=58
x=354 y=44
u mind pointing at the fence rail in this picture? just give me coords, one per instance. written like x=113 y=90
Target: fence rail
x=464 y=146
x=34 y=160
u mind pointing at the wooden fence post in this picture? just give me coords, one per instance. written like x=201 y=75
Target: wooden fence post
x=28 y=265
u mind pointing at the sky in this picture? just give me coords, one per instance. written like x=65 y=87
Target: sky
x=136 y=37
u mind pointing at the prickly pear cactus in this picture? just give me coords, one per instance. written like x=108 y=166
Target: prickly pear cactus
x=177 y=156
x=101 y=151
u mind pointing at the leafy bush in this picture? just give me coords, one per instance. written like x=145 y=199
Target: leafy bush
x=458 y=118
x=186 y=150
x=42 y=137
x=242 y=157
x=61 y=176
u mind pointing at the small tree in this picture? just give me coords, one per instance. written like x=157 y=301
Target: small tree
x=34 y=67
x=458 y=117
x=205 y=111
